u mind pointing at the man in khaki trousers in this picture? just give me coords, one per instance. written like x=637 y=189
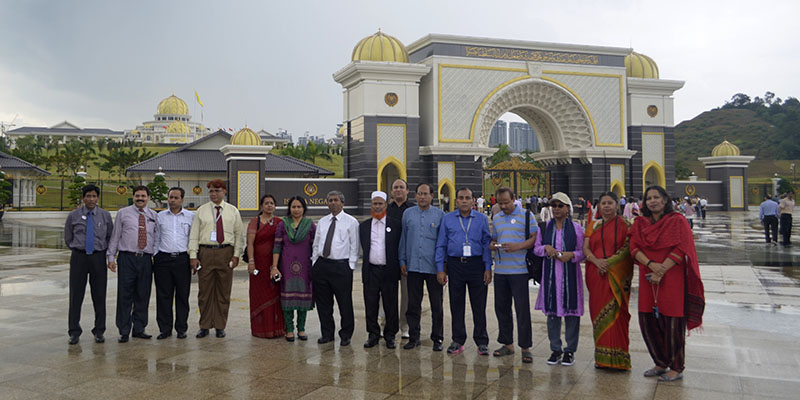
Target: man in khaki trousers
x=215 y=245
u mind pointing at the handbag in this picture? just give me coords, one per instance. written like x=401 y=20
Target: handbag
x=245 y=257
x=532 y=261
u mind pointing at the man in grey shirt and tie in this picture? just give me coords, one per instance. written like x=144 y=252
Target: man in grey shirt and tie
x=87 y=232
x=134 y=237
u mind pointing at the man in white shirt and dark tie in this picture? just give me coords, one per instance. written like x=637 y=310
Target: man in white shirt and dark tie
x=334 y=255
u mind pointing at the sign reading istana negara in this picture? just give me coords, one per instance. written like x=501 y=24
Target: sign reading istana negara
x=313 y=190
x=531 y=55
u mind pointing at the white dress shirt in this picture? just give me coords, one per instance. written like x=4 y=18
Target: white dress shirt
x=173 y=231
x=377 y=242
x=345 y=239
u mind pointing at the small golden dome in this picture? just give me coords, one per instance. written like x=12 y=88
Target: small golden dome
x=173 y=105
x=380 y=47
x=246 y=137
x=725 y=148
x=640 y=66
x=178 y=127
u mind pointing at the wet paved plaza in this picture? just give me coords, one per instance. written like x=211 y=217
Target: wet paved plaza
x=750 y=346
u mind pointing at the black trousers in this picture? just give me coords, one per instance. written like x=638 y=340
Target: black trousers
x=770 y=224
x=333 y=278
x=416 y=281
x=173 y=278
x=380 y=284
x=506 y=289
x=134 y=283
x=84 y=266
x=463 y=276
x=786 y=228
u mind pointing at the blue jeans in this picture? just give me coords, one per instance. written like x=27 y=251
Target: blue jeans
x=573 y=325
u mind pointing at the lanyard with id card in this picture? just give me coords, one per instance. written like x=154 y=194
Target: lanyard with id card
x=467 y=249
x=213 y=237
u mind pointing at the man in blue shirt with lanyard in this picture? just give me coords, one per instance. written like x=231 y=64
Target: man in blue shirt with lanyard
x=511 y=274
x=463 y=244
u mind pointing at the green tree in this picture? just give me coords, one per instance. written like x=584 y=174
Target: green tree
x=681 y=172
x=158 y=189
x=503 y=153
x=5 y=190
x=784 y=186
x=74 y=190
x=314 y=151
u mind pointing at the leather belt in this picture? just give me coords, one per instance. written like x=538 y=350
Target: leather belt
x=215 y=246
x=136 y=254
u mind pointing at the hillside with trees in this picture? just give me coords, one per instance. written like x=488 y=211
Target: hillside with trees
x=768 y=128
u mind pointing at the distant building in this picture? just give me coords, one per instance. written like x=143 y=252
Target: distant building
x=64 y=131
x=499 y=134
x=269 y=139
x=171 y=124
x=521 y=138
x=303 y=140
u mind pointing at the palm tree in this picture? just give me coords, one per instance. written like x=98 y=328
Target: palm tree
x=314 y=151
x=502 y=154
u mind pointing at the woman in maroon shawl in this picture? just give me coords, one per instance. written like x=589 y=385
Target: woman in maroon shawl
x=266 y=316
x=670 y=290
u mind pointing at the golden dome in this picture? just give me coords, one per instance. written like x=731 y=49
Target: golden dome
x=640 y=66
x=178 y=127
x=725 y=148
x=173 y=105
x=246 y=137
x=380 y=47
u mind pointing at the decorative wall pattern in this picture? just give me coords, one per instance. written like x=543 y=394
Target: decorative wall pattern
x=737 y=191
x=447 y=171
x=556 y=116
x=652 y=148
x=248 y=190
x=391 y=142
x=601 y=95
x=461 y=92
x=617 y=172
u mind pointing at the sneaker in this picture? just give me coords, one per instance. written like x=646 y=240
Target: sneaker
x=555 y=357
x=568 y=359
x=455 y=348
x=483 y=350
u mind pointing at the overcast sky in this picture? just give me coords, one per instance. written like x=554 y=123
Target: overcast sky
x=268 y=64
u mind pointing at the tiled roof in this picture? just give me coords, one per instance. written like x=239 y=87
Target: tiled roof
x=11 y=163
x=64 y=131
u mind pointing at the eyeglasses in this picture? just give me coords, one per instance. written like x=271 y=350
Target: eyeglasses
x=559 y=205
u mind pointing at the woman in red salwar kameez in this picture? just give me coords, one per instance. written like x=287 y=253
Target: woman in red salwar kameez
x=266 y=316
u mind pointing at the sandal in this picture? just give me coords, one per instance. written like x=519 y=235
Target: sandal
x=503 y=351
x=667 y=378
x=527 y=357
x=655 y=371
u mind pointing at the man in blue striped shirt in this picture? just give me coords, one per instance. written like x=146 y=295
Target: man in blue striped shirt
x=511 y=274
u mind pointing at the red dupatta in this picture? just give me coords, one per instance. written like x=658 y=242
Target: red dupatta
x=672 y=231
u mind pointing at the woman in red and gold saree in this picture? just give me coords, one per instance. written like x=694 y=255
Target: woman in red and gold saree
x=609 y=270
x=266 y=316
x=671 y=295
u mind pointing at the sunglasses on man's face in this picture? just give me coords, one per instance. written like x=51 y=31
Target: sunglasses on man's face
x=558 y=205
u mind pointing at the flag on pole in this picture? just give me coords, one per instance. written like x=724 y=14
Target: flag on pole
x=198 y=98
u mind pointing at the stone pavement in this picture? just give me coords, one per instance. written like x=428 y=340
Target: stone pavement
x=750 y=346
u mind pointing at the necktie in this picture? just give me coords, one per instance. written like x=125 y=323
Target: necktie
x=142 y=231
x=220 y=231
x=90 y=233
x=326 y=250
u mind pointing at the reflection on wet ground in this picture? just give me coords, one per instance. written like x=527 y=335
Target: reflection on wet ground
x=749 y=347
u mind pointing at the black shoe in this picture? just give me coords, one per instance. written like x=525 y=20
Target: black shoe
x=568 y=359
x=202 y=333
x=163 y=335
x=220 y=333
x=290 y=338
x=142 y=335
x=345 y=342
x=412 y=343
x=74 y=339
x=390 y=344
x=99 y=339
x=437 y=345
x=302 y=337
x=181 y=335
x=555 y=357
x=123 y=338
x=324 y=340
x=371 y=342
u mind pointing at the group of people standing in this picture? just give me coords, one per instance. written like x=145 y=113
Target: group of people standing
x=295 y=265
x=140 y=245
x=774 y=212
